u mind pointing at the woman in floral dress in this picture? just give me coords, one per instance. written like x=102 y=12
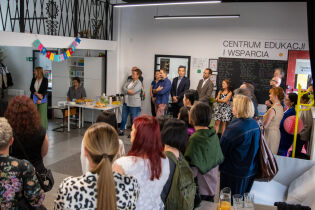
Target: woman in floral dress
x=223 y=112
x=19 y=186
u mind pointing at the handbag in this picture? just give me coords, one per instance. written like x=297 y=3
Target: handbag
x=45 y=177
x=267 y=164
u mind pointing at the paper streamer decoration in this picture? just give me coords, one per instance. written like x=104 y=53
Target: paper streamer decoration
x=52 y=56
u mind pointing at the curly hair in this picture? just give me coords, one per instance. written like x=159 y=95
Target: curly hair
x=278 y=91
x=23 y=116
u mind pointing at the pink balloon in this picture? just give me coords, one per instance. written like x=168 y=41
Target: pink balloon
x=289 y=125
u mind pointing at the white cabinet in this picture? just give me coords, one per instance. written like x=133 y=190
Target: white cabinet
x=94 y=76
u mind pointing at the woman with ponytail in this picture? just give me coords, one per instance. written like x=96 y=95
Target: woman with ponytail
x=100 y=188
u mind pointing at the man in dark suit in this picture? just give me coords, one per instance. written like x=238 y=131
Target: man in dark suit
x=205 y=86
x=179 y=85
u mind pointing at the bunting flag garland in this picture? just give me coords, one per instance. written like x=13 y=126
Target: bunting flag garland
x=54 y=57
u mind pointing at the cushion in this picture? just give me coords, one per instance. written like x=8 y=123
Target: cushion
x=268 y=193
x=301 y=187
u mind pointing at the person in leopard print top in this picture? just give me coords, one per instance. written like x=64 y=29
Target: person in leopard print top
x=100 y=188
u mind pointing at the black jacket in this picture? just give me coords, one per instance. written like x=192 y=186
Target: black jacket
x=42 y=89
x=183 y=86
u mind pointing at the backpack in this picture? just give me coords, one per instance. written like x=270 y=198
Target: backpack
x=183 y=188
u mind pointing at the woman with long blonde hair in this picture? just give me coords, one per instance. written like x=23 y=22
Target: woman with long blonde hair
x=100 y=188
x=39 y=86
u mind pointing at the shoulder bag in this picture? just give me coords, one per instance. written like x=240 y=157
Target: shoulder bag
x=267 y=164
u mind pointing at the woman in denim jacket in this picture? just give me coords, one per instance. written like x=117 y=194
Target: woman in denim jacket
x=239 y=144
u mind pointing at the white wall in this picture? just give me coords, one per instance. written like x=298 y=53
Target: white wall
x=140 y=37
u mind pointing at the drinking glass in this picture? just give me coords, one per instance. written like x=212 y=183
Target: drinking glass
x=237 y=202
x=225 y=198
x=248 y=201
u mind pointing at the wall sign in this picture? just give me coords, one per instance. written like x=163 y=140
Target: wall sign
x=54 y=57
x=260 y=49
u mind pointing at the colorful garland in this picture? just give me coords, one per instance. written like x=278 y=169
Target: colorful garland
x=55 y=57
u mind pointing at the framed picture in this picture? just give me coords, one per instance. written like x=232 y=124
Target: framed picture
x=213 y=64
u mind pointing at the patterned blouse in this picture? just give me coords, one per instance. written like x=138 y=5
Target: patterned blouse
x=17 y=181
x=81 y=192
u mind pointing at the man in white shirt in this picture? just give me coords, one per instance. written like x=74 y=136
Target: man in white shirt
x=205 y=86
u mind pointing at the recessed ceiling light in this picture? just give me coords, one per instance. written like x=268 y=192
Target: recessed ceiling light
x=166 y=3
x=196 y=17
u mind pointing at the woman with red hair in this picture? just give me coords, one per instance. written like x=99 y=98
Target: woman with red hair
x=146 y=161
x=30 y=138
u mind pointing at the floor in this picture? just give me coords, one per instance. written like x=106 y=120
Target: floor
x=63 y=158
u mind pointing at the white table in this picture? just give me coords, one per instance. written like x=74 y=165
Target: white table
x=116 y=108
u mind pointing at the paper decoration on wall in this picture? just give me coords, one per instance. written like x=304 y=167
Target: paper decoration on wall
x=54 y=57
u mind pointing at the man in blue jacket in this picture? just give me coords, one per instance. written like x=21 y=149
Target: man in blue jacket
x=162 y=93
x=179 y=86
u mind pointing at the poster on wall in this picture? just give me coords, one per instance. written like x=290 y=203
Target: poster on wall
x=199 y=64
x=213 y=64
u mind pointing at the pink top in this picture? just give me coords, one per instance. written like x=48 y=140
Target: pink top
x=190 y=132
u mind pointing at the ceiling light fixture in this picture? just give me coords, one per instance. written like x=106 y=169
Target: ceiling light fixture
x=196 y=17
x=166 y=3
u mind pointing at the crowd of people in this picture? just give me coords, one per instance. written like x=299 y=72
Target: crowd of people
x=174 y=162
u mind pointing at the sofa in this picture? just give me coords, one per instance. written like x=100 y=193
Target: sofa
x=293 y=184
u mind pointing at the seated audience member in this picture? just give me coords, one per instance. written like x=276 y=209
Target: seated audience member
x=18 y=179
x=106 y=117
x=162 y=119
x=174 y=139
x=184 y=116
x=203 y=151
x=30 y=138
x=306 y=116
x=272 y=119
x=286 y=139
x=190 y=96
x=146 y=161
x=240 y=144
x=100 y=188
